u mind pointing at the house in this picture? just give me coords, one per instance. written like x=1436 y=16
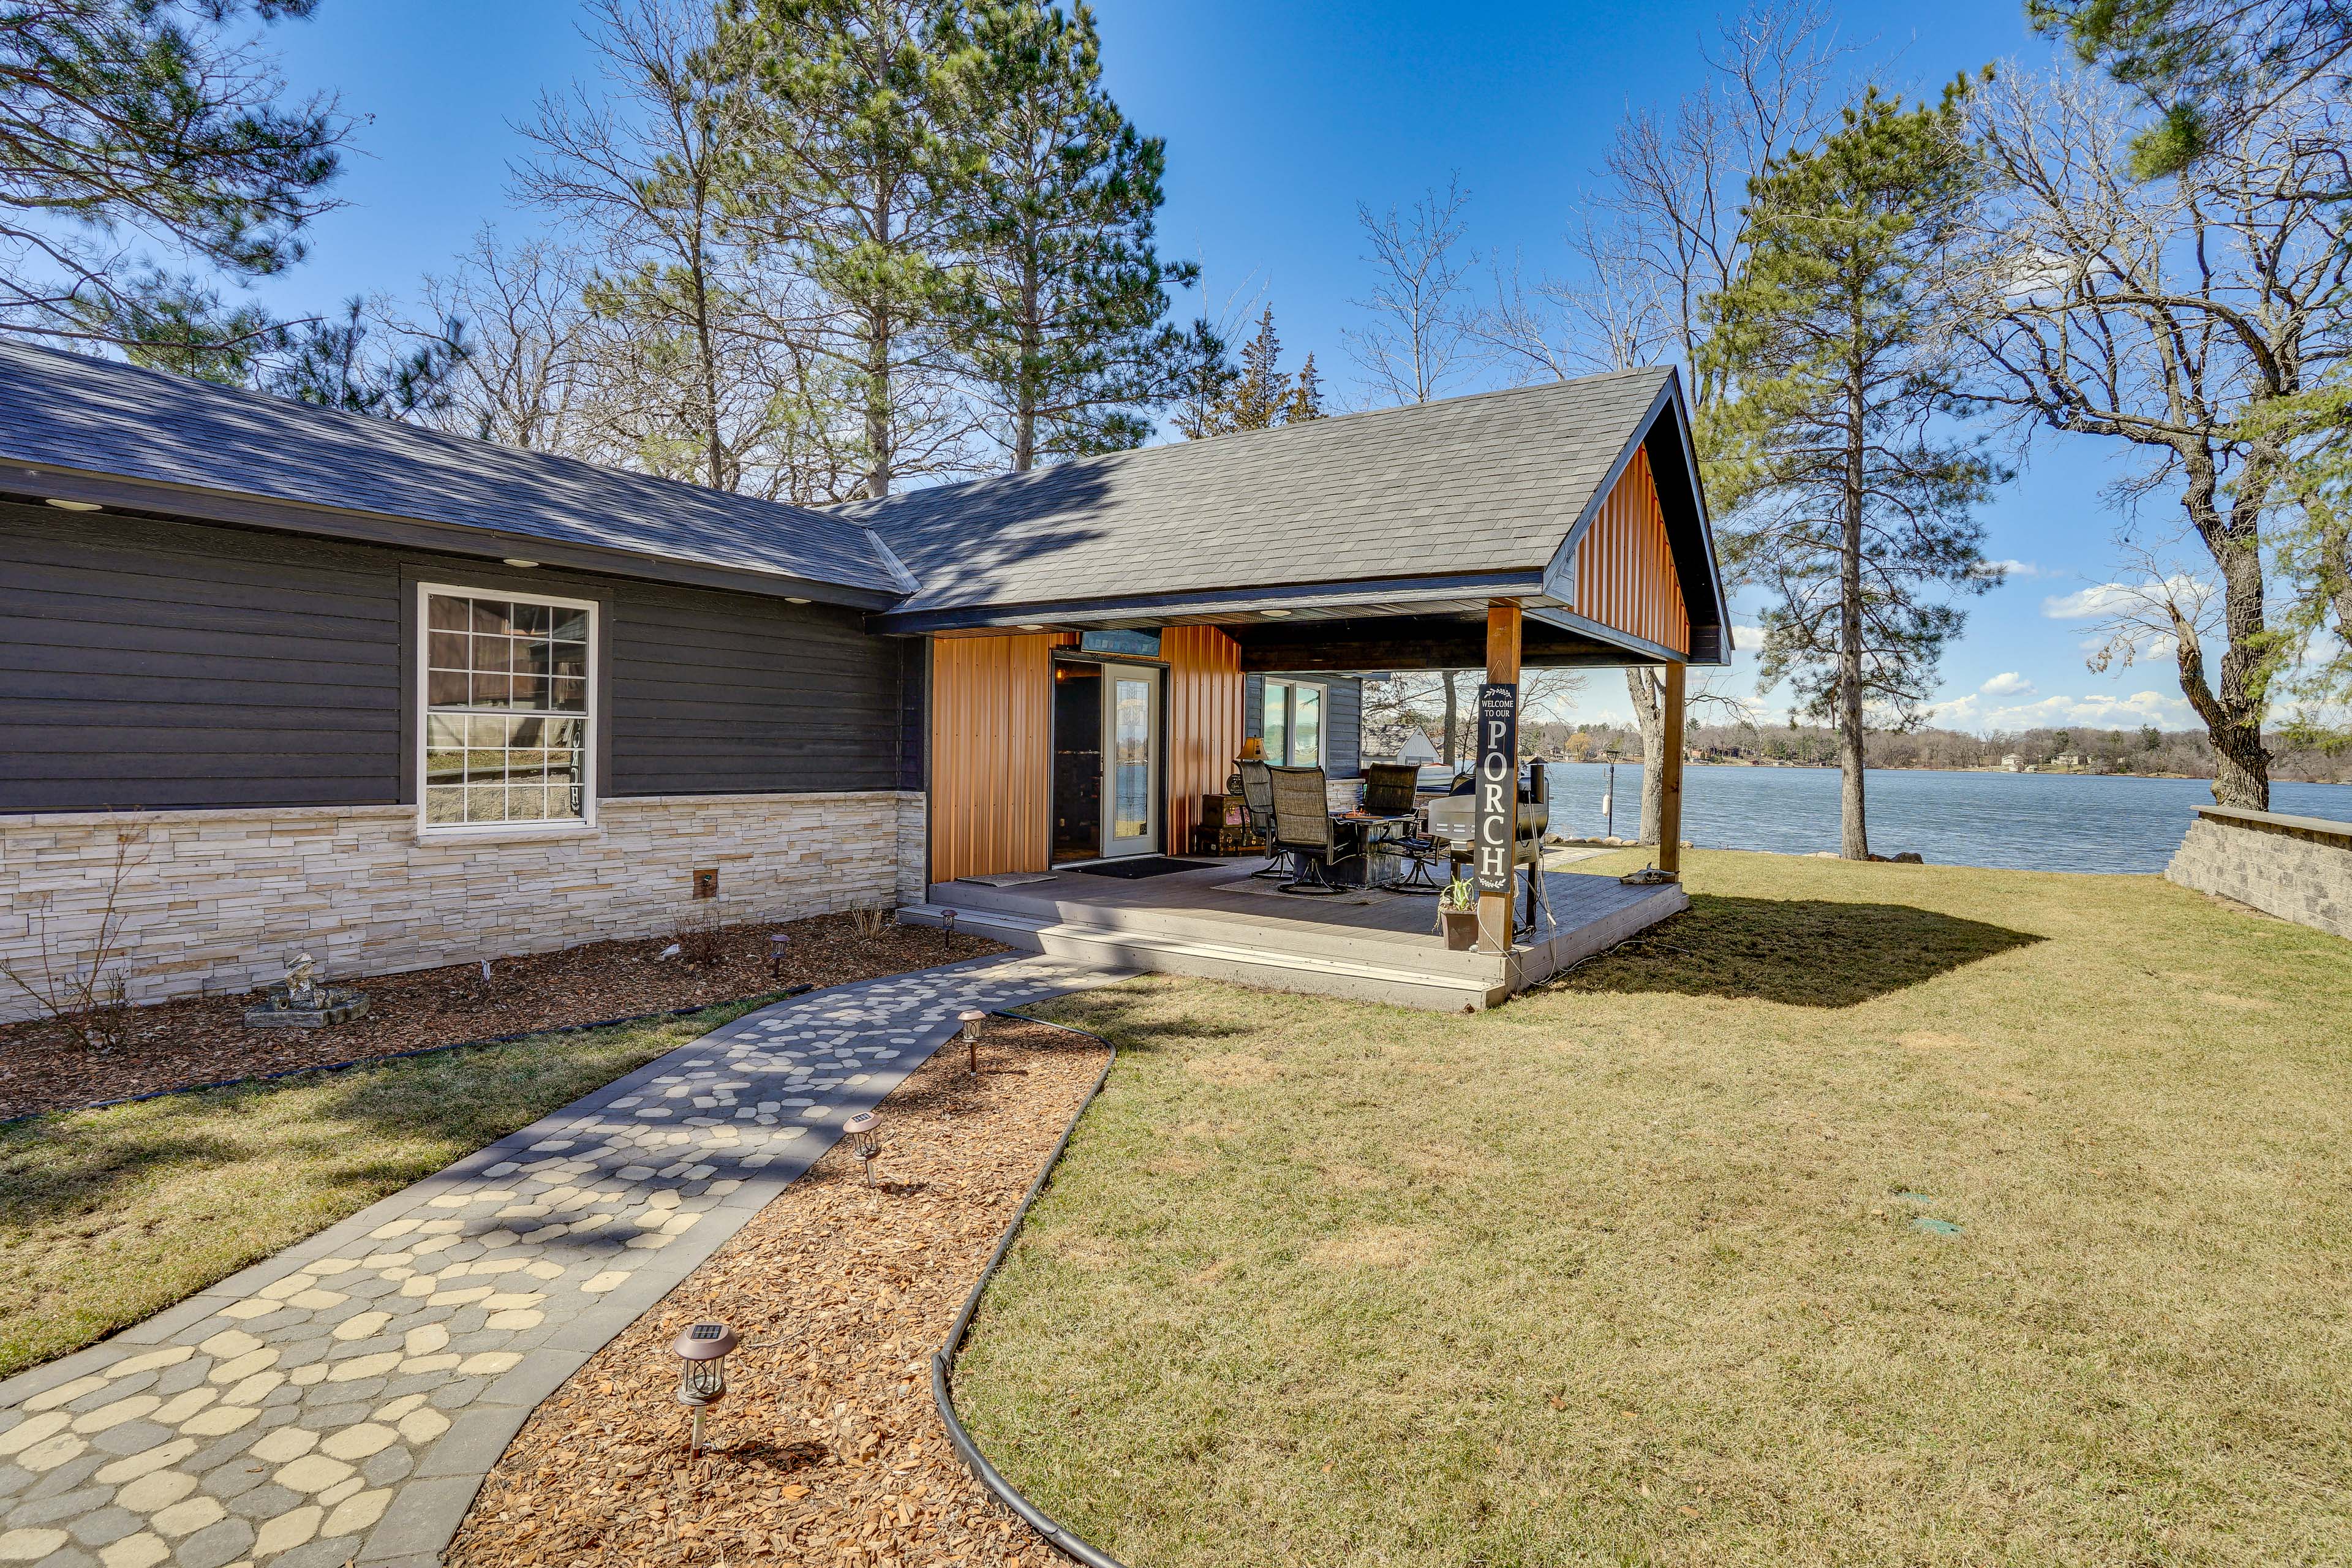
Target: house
x=398 y=697
x=1417 y=748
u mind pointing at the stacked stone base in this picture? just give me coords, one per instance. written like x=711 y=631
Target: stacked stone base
x=217 y=900
x=2297 y=867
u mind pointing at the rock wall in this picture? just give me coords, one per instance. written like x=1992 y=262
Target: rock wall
x=2297 y=867
x=216 y=901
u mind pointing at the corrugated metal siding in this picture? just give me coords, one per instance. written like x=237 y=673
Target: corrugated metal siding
x=991 y=754
x=1625 y=567
x=1204 y=722
x=993 y=741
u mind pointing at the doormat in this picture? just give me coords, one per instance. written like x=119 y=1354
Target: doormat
x=1143 y=866
x=1014 y=880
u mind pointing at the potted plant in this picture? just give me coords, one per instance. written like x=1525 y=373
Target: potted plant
x=1457 y=907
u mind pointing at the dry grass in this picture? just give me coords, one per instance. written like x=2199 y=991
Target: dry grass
x=1627 y=1272
x=108 y=1216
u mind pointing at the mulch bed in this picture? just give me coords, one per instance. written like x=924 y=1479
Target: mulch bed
x=203 y=1040
x=827 y=1448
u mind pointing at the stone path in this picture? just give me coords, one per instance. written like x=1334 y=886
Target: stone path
x=343 y=1400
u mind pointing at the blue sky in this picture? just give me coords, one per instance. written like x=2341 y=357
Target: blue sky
x=1280 y=117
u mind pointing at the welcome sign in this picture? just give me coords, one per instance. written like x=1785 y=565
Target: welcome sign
x=1498 y=786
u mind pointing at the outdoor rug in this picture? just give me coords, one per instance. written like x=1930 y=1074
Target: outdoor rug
x=1143 y=866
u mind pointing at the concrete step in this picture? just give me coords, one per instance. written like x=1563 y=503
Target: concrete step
x=1169 y=952
x=1266 y=918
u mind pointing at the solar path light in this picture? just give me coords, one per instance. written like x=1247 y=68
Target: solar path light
x=702 y=1371
x=971 y=1019
x=865 y=1133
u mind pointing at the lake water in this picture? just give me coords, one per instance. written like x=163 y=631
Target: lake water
x=2037 y=822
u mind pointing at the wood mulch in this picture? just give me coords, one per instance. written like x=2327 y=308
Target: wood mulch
x=827 y=1448
x=203 y=1040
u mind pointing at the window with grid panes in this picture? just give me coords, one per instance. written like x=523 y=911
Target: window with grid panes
x=507 y=708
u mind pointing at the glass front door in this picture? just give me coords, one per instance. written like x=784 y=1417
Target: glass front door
x=1131 y=760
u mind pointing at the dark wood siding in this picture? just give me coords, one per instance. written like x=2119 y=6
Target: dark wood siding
x=1343 y=721
x=151 y=664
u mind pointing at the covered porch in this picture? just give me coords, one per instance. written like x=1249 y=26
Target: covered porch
x=1548 y=528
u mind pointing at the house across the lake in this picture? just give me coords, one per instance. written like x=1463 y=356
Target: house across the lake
x=399 y=699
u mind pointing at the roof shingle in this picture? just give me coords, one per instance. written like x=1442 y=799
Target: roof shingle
x=1471 y=485
x=70 y=411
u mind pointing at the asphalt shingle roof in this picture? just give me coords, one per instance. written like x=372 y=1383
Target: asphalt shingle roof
x=1486 y=483
x=72 y=411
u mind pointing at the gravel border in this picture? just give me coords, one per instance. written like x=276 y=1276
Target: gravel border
x=943 y=1359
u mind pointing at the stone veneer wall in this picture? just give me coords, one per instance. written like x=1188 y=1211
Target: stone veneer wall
x=216 y=900
x=2297 y=867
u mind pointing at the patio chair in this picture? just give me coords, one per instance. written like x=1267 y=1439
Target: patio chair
x=1389 y=791
x=1304 y=826
x=1257 y=803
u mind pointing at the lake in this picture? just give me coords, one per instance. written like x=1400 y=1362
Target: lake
x=2036 y=822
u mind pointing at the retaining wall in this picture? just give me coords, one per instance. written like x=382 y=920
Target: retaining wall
x=2297 y=867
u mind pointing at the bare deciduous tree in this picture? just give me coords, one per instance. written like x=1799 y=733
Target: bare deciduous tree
x=2164 y=316
x=695 y=329
x=531 y=368
x=1418 y=339
x=1665 y=231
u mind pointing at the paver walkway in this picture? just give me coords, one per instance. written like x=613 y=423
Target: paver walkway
x=344 y=1399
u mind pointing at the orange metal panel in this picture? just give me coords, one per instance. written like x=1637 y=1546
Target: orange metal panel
x=992 y=736
x=991 y=754
x=1204 y=722
x=1625 y=567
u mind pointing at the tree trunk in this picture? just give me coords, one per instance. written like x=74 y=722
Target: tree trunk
x=1452 y=708
x=1855 y=833
x=1649 y=717
x=878 y=402
x=1024 y=409
x=2232 y=707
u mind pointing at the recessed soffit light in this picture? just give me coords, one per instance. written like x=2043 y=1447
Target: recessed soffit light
x=1275 y=615
x=1031 y=628
x=64 y=505
x=791 y=599
x=526 y=565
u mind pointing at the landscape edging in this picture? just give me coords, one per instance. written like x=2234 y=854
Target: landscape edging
x=943 y=1359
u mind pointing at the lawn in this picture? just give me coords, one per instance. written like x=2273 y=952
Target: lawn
x=107 y=1217
x=1863 y=1214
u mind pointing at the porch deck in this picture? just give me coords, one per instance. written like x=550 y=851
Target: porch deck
x=1219 y=922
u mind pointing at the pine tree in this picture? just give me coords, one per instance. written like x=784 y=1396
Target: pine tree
x=1307 y=398
x=1260 y=398
x=1834 y=343
x=1204 y=378
x=1063 y=334
x=864 y=171
x=128 y=117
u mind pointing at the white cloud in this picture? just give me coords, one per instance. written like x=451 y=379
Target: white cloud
x=1748 y=639
x=2009 y=683
x=2014 y=569
x=2104 y=599
x=2166 y=710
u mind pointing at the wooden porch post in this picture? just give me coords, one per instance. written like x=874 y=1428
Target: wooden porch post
x=1502 y=669
x=1670 y=800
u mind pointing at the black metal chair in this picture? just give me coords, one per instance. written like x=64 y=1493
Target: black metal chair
x=1257 y=803
x=1304 y=828
x=1389 y=789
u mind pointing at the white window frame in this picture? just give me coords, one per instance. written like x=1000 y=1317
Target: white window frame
x=1290 y=719
x=421 y=609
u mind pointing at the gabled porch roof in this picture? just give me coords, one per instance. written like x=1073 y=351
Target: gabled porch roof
x=1371 y=540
